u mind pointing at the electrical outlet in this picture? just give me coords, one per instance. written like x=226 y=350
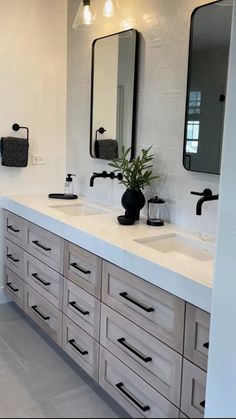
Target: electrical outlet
x=38 y=159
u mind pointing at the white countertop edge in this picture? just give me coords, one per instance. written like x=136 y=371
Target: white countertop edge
x=193 y=292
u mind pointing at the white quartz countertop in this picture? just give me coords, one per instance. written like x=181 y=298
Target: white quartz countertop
x=101 y=234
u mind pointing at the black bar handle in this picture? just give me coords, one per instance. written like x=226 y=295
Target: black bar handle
x=13 y=229
x=79 y=268
x=74 y=305
x=202 y=404
x=35 y=308
x=13 y=259
x=9 y=284
x=72 y=343
x=134 y=351
x=47 y=249
x=143 y=307
x=36 y=276
x=206 y=192
x=206 y=345
x=120 y=387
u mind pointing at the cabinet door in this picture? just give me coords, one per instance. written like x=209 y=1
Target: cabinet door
x=83 y=268
x=196 y=343
x=14 y=228
x=157 y=311
x=193 y=390
x=14 y=258
x=14 y=287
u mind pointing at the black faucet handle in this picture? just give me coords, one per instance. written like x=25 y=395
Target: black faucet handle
x=206 y=192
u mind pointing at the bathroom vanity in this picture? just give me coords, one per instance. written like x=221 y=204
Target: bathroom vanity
x=123 y=302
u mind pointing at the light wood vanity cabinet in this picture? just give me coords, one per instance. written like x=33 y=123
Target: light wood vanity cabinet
x=146 y=347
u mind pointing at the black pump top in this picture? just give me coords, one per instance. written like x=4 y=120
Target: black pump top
x=69 y=177
x=156 y=200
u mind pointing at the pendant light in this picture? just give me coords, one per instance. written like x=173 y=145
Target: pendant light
x=85 y=14
x=110 y=8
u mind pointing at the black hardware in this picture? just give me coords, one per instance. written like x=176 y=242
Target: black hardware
x=13 y=259
x=147 y=309
x=104 y=174
x=222 y=98
x=13 y=229
x=206 y=345
x=120 y=386
x=79 y=268
x=206 y=196
x=72 y=343
x=101 y=130
x=206 y=192
x=16 y=127
x=35 y=308
x=74 y=305
x=47 y=249
x=143 y=358
x=36 y=276
x=9 y=284
x=202 y=404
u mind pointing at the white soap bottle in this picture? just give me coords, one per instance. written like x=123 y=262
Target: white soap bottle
x=69 y=185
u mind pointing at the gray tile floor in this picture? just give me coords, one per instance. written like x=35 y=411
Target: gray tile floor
x=37 y=380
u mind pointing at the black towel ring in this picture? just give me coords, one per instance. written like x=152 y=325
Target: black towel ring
x=16 y=127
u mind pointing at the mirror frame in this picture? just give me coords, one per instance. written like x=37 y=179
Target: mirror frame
x=135 y=88
x=190 y=53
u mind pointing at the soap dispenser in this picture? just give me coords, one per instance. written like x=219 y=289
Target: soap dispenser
x=69 y=185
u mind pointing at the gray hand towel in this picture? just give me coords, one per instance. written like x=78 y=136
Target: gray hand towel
x=14 y=151
x=106 y=149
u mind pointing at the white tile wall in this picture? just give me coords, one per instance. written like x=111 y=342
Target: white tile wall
x=164 y=29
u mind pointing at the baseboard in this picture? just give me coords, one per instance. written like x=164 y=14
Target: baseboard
x=3 y=296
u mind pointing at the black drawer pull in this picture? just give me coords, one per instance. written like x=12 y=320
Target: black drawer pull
x=13 y=229
x=13 y=259
x=79 y=268
x=35 y=308
x=72 y=343
x=206 y=345
x=134 y=351
x=202 y=404
x=120 y=386
x=74 y=305
x=147 y=309
x=9 y=284
x=36 y=276
x=47 y=249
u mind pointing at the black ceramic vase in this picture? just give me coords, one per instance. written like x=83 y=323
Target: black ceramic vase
x=133 y=201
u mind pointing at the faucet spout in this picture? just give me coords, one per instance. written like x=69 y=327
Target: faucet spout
x=104 y=174
x=202 y=200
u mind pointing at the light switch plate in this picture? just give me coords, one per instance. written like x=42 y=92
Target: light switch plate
x=38 y=159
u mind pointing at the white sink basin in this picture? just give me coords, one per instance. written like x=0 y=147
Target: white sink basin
x=77 y=209
x=177 y=245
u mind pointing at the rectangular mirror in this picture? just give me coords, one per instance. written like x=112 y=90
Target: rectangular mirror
x=206 y=90
x=113 y=94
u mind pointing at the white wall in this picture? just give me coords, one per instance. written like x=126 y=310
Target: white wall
x=221 y=387
x=33 y=59
x=164 y=35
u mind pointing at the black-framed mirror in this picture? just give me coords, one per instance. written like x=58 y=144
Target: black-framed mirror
x=206 y=88
x=113 y=94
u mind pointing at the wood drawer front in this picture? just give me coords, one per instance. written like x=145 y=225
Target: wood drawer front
x=83 y=268
x=151 y=359
x=14 y=228
x=157 y=311
x=82 y=308
x=193 y=390
x=14 y=258
x=137 y=397
x=14 y=287
x=45 y=246
x=197 y=336
x=81 y=347
x=46 y=315
x=45 y=280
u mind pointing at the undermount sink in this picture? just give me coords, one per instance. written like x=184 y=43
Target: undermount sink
x=177 y=245
x=77 y=209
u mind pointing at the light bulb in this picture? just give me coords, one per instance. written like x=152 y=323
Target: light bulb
x=88 y=16
x=85 y=14
x=110 y=8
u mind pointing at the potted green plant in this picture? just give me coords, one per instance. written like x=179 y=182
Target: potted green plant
x=137 y=174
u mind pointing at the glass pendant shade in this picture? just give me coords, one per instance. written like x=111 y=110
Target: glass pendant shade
x=85 y=14
x=110 y=8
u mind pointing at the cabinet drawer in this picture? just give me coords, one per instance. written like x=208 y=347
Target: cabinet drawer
x=197 y=336
x=157 y=311
x=47 y=316
x=81 y=347
x=45 y=280
x=82 y=308
x=83 y=268
x=135 y=395
x=45 y=246
x=193 y=390
x=14 y=258
x=151 y=359
x=14 y=228
x=14 y=287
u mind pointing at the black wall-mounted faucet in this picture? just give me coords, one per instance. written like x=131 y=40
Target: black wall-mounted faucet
x=206 y=196
x=104 y=174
